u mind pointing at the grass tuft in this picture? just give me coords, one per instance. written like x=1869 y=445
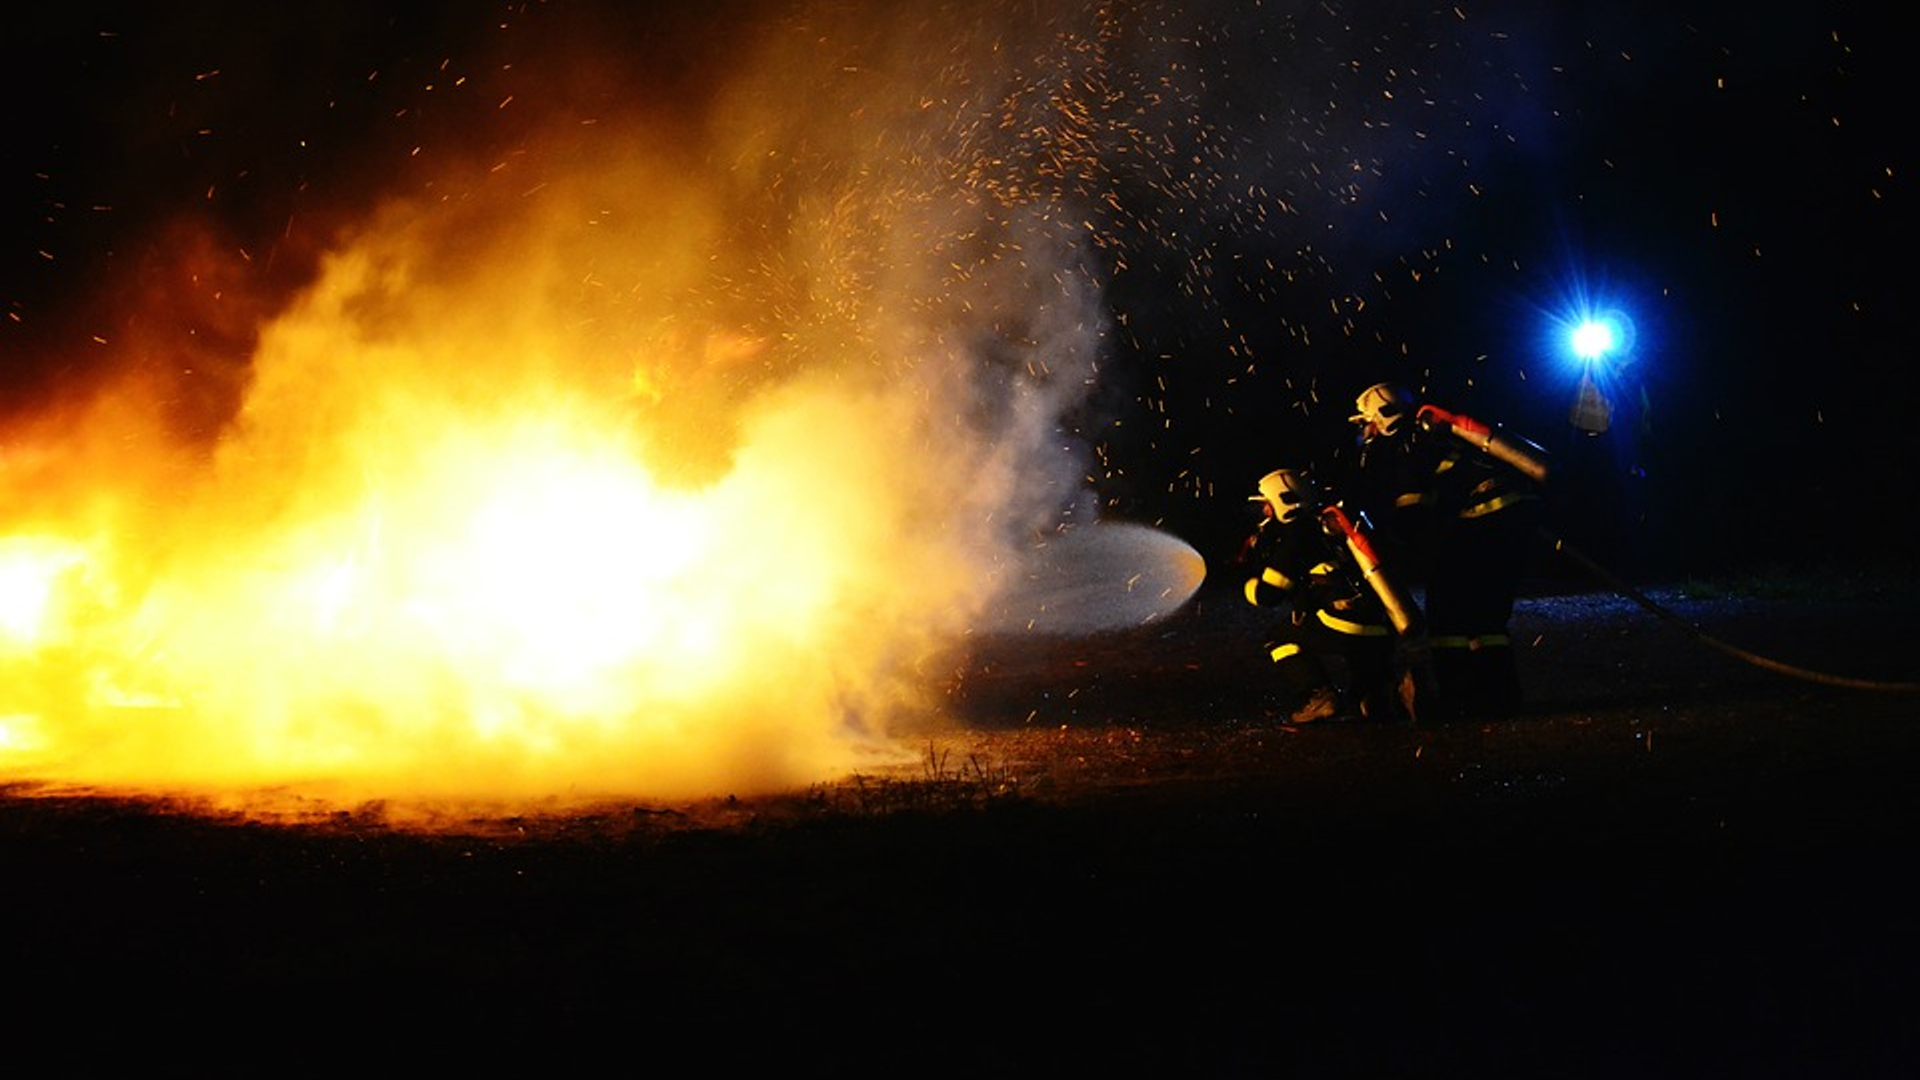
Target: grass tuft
x=943 y=786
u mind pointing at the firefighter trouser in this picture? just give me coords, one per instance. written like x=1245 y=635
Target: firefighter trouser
x=1476 y=676
x=1364 y=645
x=1470 y=598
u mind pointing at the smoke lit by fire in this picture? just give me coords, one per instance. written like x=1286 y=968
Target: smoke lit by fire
x=624 y=464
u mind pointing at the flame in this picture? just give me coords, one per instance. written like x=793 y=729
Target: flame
x=435 y=555
x=30 y=569
x=602 y=471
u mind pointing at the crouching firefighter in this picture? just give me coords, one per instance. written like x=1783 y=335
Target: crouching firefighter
x=1343 y=617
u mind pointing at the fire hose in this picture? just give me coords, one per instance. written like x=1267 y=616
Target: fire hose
x=1399 y=608
x=1516 y=453
x=1530 y=461
x=1625 y=589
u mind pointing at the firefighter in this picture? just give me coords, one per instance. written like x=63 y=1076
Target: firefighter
x=1459 y=504
x=1336 y=625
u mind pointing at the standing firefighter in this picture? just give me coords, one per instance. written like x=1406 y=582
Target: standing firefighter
x=1300 y=561
x=1460 y=502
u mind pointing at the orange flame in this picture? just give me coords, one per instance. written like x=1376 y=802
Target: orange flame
x=658 y=478
x=433 y=557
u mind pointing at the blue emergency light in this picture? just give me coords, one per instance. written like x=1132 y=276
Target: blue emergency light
x=1597 y=341
x=1591 y=340
x=1597 y=336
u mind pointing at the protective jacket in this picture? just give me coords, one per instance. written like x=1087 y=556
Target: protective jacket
x=1420 y=484
x=1299 y=566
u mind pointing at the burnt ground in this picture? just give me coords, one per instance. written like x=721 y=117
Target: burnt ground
x=1677 y=863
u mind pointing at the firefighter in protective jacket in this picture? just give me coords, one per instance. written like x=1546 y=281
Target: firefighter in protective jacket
x=1459 y=502
x=1333 y=615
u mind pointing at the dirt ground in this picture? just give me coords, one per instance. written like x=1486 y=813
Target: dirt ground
x=1677 y=862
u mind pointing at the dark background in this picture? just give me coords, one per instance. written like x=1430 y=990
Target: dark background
x=1682 y=869
x=1345 y=193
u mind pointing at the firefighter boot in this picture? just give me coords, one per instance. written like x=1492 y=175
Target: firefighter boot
x=1319 y=705
x=1407 y=692
x=1385 y=704
x=1417 y=687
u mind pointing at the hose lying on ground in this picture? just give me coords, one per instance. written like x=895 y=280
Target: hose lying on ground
x=1614 y=582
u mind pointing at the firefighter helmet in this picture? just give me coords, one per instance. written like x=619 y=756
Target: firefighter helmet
x=1287 y=491
x=1382 y=407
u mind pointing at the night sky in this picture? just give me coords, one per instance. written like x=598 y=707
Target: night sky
x=1282 y=203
